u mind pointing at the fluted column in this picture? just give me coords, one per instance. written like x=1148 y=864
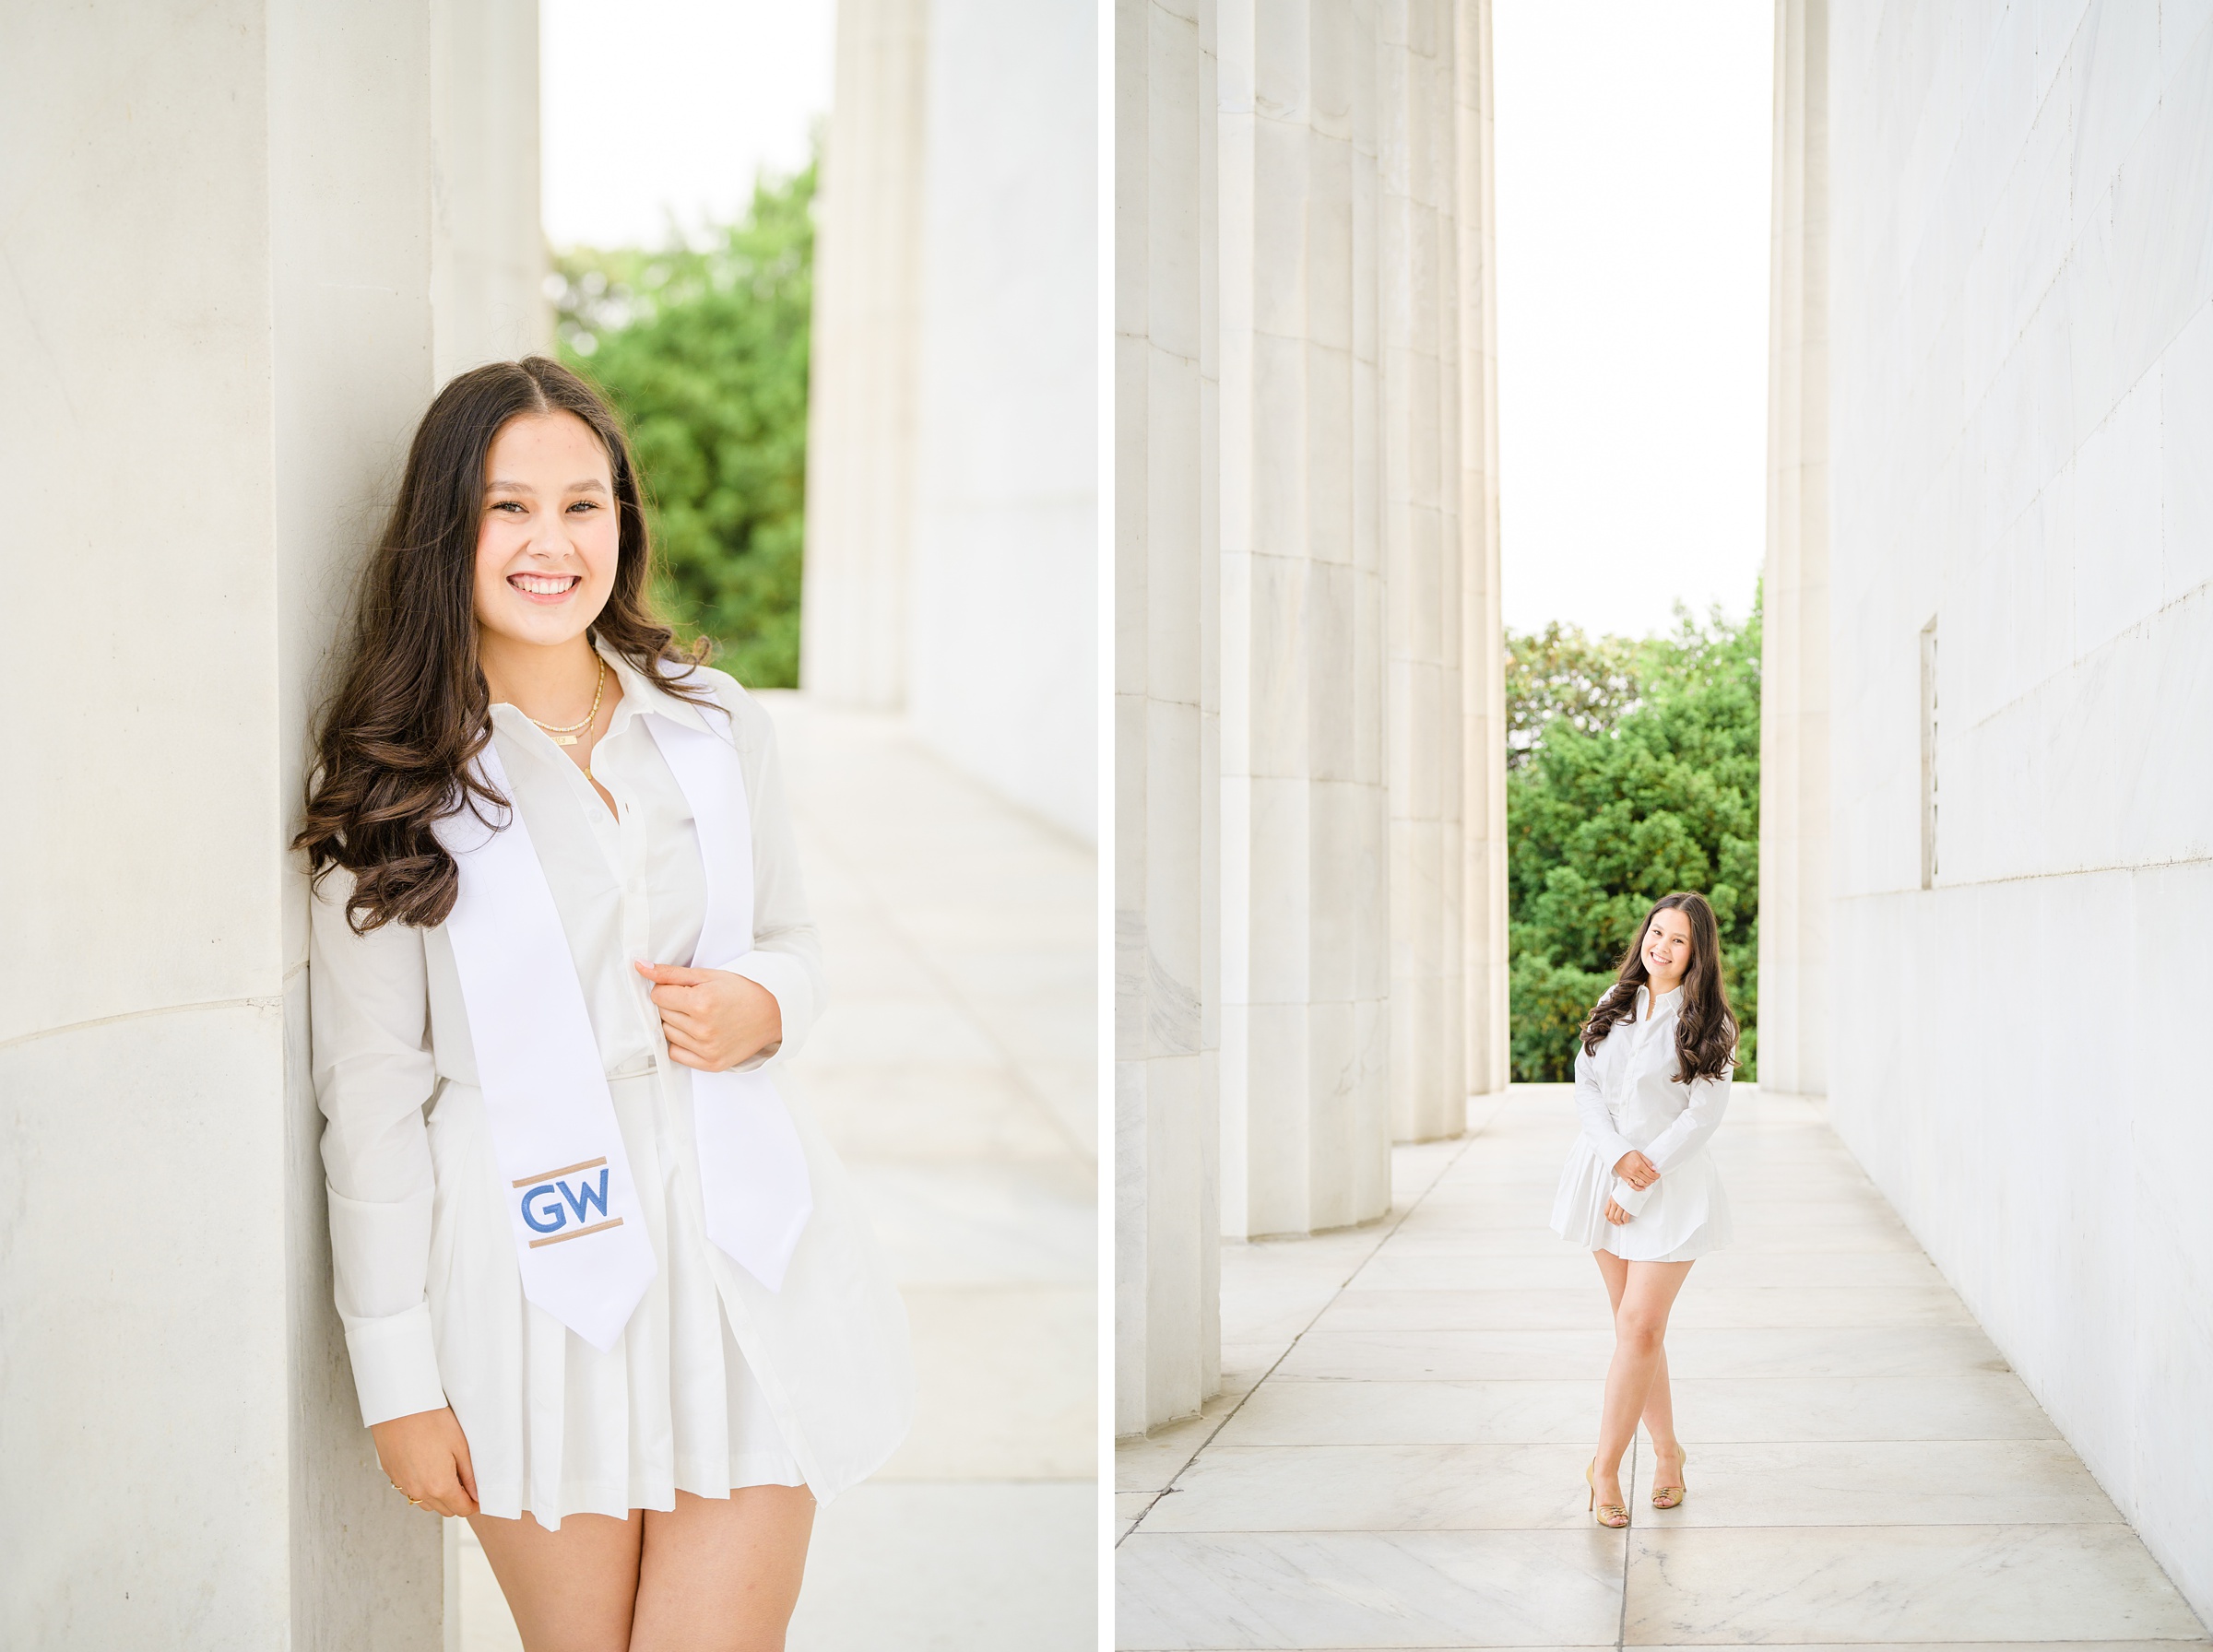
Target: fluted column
x=865 y=351
x=1793 y=738
x=1483 y=662
x=1418 y=314
x=1167 y=713
x=1305 y=967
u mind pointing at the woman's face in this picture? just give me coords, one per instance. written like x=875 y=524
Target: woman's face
x=1667 y=945
x=548 y=542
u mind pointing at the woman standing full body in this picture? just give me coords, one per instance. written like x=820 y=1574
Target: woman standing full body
x=1640 y=1189
x=606 y=1295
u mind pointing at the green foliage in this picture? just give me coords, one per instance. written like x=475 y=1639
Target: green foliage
x=703 y=349
x=1559 y=672
x=1644 y=778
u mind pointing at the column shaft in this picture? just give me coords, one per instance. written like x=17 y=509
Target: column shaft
x=866 y=344
x=1482 y=657
x=1167 y=897
x=1306 y=965
x=1418 y=288
x=1794 y=741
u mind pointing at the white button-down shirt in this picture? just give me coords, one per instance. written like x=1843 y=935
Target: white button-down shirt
x=414 y=1259
x=1628 y=1100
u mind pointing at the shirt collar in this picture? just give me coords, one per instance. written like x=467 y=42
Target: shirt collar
x=640 y=696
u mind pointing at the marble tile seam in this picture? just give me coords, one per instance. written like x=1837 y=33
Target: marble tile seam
x=149 y=1013
x=2084 y=871
x=1383 y=1233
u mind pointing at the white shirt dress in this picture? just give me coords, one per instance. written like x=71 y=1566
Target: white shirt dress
x=715 y=1382
x=1627 y=1100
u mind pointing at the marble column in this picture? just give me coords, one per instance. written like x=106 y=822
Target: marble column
x=1002 y=593
x=866 y=346
x=487 y=247
x=1419 y=320
x=223 y=319
x=1794 y=895
x=1483 y=648
x=1167 y=716
x=1306 y=931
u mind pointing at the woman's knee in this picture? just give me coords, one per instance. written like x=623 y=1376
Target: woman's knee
x=1639 y=1329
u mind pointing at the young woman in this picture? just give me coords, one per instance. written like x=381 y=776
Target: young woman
x=1651 y=1083
x=605 y=1294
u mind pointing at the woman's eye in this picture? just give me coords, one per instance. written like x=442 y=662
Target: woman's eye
x=584 y=505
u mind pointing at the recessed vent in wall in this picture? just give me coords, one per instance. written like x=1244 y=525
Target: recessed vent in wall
x=1928 y=754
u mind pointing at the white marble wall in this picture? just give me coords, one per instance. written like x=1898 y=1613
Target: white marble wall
x=1794 y=756
x=2022 y=246
x=220 y=313
x=1168 y=717
x=863 y=353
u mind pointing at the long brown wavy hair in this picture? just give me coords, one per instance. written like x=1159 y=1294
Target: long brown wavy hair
x=1705 y=1029
x=396 y=742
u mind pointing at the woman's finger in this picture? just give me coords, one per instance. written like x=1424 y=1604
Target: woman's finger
x=671 y=975
x=683 y=1020
x=691 y=1038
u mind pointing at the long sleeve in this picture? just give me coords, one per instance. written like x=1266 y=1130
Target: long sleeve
x=787 y=956
x=1694 y=1127
x=374 y=1072
x=1590 y=1109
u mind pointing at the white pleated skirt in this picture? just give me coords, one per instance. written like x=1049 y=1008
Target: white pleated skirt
x=1686 y=1215
x=554 y=1426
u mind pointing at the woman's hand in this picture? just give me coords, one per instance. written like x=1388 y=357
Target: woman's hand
x=713 y=1018
x=1635 y=1169
x=426 y=1456
x=1615 y=1214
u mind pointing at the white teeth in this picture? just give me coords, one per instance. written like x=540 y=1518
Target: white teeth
x=539 y=585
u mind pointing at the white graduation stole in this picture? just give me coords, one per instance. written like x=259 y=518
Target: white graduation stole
x=753 y=1171
x=584 y=1250
x=586 y=1256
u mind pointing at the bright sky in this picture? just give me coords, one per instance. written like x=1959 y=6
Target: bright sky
x=1632 y=177
x=654 y=109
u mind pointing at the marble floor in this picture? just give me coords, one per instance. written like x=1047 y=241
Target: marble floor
x=956 y=1070
x=1407 y=1408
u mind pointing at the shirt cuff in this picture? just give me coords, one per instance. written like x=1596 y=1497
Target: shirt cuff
x=784 y=979
x=394 y=1365
x=1632 y=1199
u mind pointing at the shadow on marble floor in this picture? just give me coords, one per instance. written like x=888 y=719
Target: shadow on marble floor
x=1396 y=1458
x=955 y=1071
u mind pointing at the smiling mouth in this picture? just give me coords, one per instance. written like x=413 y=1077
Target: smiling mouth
x=545 y=587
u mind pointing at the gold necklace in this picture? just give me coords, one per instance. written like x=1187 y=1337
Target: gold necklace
x=565 y=733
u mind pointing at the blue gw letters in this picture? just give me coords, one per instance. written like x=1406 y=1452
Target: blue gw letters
x=543 y=1205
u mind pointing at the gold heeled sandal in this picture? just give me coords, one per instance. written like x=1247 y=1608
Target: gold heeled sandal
x=1603 y=1510
x=1674 y=1495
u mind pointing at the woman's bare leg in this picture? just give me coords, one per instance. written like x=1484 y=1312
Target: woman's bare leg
x=1659 y=1400
x=723 y=1574
x=569 y=1590
x=1639 y=1330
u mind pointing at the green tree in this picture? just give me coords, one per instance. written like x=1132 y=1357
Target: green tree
x=1559 y=672
x=1602 y=819
x=703 y=349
